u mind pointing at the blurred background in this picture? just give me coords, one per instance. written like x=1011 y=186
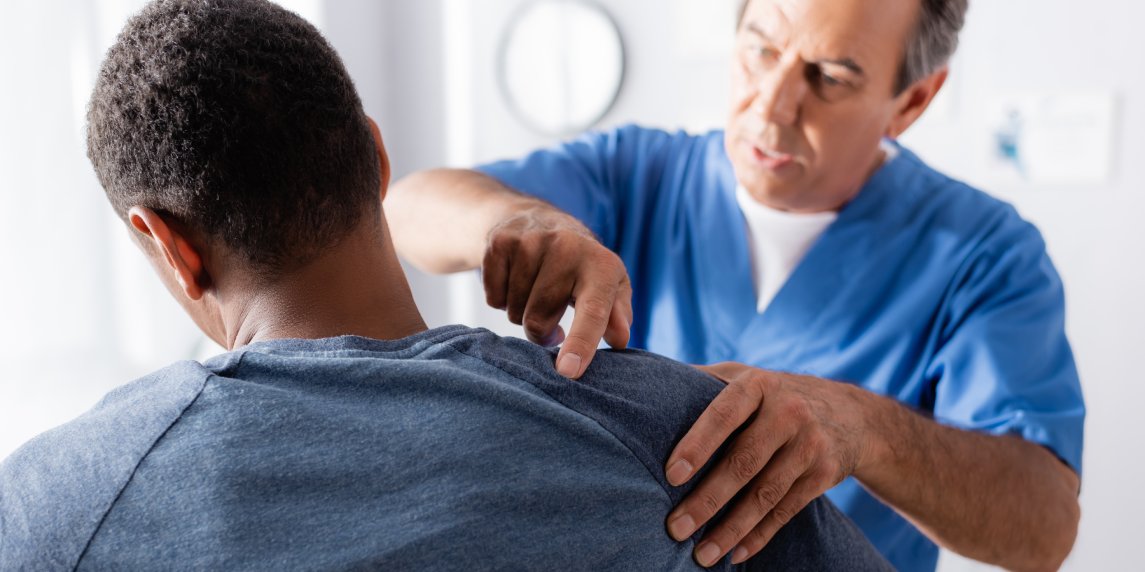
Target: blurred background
x=1044 y=109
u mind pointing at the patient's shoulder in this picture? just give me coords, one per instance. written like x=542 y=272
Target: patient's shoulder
x=58 y=486
x=646 y=401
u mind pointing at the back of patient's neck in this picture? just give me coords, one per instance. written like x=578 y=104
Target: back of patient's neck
x=355 y=288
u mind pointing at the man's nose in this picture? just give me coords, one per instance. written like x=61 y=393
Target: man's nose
x=780 y=95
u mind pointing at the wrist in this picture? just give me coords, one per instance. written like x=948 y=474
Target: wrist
x=880 y=419
x=528 y=213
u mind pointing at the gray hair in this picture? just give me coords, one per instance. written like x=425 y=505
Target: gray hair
x=933 y=42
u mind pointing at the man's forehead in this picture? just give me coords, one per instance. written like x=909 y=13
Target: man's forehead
x=861 y=30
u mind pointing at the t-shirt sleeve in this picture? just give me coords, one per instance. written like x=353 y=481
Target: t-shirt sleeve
x=648 y=403
x=590 y=177
x=1004 y=365
x=58 y=487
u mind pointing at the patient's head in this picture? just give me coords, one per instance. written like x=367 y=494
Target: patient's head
x=230 y=138
x=236 y=122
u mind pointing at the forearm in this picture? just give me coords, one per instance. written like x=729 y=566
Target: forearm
x=440 y=219
x=1000 y=500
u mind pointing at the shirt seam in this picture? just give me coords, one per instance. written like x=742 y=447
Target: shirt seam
x=135 y=469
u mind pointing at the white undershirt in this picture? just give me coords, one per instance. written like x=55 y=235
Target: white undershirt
x=779 y=240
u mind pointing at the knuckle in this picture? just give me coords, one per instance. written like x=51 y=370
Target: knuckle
x=768 y=379
x=709 y=505
x=744 y=464
x=767 y=496
x=782 y=514
x=816 y=442
x=613 y=262
x=561 y=241
x=500 y=245
x=595 y=307
x=748 y=389
x=751 y=386
x=807 y=455
x=757 y=537
x=723 y=413
x=525 y=249
x=605 y=263
x=535 y=327
x=735 y=530
x=494 y=300
x=625 y=283
x=738 y=391
x=795 y=410
x=761 y=385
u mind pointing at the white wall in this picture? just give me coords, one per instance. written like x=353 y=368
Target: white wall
x=82 y=314
x=66 y=335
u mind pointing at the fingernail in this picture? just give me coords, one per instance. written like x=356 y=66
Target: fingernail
x=707 y=554
x=739 y=555
x=569 y=365
x=679 y=472
x=682 y=527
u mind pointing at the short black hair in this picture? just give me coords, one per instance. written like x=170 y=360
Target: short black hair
x=237 y=119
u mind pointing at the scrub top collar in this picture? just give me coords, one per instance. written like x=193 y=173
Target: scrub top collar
x=812 y=284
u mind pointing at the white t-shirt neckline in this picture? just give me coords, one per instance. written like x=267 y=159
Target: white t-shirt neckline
x=778 y=242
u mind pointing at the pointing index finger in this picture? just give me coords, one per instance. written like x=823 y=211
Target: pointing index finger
x=589 y=323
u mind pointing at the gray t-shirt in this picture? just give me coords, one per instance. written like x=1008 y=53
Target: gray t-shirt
x=450 y=449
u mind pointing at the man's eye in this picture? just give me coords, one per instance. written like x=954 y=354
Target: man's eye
x=829 y=81
x=823 y=80
x=762 y=52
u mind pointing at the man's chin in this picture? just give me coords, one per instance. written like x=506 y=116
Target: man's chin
x=774 y=194
x=768 y=199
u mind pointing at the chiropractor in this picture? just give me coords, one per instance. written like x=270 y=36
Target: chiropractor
x=802 y=238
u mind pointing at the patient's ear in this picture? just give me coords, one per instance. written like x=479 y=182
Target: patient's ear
x=171 y=251
x=383 y=159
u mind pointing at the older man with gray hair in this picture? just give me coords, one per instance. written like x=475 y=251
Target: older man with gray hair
x=802 y=238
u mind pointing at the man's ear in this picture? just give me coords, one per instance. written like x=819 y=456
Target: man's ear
x=383 y=158
x=179 y=257
x=912 y=102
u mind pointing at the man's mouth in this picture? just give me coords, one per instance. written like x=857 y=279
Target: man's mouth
x=771 y=159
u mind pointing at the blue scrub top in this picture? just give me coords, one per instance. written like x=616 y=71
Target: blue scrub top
x=925 y=290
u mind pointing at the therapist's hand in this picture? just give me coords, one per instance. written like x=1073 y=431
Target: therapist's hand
x=539 y=262
x=800 y=437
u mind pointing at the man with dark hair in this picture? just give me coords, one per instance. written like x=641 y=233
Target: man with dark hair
x=802 y=238
x=340 y=433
